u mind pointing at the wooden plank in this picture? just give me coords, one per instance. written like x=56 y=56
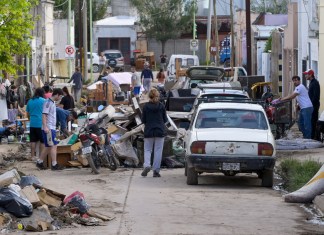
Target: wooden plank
x=74 y=163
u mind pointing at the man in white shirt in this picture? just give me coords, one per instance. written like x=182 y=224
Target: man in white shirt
x=49 y=131
x=306 y=107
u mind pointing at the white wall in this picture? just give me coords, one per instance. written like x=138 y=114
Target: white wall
x=260 y=49
x=114 y=32
x=60 y=38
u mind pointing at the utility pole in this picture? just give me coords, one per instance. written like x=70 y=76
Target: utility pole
x=208 y=32
x=232 y=35
x=80 y=36
x=90 y=19
x=85 y=41
x=69 y=37
x=194 y=24
x=216 y=36
x=248 y=37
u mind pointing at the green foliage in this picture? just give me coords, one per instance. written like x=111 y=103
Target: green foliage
x=164 y=19
x=16 y=24
x=268 y=46
x=274 y=6
x=296 y=174
x=99 y=8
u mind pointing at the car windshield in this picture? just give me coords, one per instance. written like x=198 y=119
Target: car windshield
x=231 y=118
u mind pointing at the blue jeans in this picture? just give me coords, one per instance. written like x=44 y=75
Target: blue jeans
x=305 y=122
x=158 y=149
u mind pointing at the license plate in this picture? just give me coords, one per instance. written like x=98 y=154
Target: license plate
x=231 y=166
x=87 y=150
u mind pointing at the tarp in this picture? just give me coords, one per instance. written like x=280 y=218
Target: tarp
x=119 y=78
x=116 y=78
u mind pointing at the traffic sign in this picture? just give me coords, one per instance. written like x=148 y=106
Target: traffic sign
x=69 y=52
x=194 y=45
x=213 y=49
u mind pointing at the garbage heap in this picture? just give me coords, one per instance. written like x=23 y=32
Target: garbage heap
x=26 y=205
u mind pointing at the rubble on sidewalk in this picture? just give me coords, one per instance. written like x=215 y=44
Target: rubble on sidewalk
x=25 y=205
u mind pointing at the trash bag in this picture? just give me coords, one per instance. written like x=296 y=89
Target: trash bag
x=80 y=203
x=77 y=199
x=29 y=180
x=14 y=203
x=172 y=162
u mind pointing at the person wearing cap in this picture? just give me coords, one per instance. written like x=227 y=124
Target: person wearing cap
x=314 y=95
x=306 y=107
x=147 y=77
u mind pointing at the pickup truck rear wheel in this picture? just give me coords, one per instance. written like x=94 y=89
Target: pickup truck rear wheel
x=267 y=178
x=192 y=176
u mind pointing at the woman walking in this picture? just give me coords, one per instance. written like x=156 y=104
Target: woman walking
x=154 y=118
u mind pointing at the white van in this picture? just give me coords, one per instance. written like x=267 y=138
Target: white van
x=185 y=61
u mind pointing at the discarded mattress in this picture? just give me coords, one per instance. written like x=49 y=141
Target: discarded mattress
x=119 y=78
x=297 y=144
x=309 y=191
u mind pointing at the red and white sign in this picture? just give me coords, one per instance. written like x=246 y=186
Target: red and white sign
x=69 y=52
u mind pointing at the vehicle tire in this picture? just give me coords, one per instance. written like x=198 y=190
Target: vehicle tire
x=192 y=176
x=93 y=161
x=267 y=178
x=95 y=68
x=111 y=160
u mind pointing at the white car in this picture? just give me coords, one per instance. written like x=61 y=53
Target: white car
x=230 y=138
x=95 y=61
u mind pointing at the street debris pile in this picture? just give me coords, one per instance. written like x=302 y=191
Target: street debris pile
x=26 y=205
x=127 y=139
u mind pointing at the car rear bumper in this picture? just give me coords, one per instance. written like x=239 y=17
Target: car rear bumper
x=205 y=163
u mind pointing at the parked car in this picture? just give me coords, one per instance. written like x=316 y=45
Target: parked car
x=95 y=61
x=230 y=138
x=114 y=58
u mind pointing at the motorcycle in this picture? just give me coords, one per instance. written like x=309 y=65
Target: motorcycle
x=96 y=146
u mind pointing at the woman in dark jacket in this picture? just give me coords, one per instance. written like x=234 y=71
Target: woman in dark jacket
x=154 y=118
x=67 y=101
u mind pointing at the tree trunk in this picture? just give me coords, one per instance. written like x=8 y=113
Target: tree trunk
x=163 y=46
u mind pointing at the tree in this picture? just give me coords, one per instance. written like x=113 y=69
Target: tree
x=274 y=6
x=164 y=19
x=99 y=11
x=16 y=24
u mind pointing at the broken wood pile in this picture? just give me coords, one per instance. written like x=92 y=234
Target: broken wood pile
x=26 y=205
x=127 y=138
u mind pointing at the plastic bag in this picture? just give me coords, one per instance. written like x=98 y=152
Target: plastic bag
x=172 y=162
x=29 y=180
x=80 y=203
x=15 y=204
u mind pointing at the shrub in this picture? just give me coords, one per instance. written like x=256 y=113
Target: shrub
x=296 y=174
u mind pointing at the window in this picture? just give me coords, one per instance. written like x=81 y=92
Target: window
x=231 y=118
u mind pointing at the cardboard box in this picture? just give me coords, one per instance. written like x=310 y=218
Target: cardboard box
x=49 y=199
x=29 y=192
x=83 y=160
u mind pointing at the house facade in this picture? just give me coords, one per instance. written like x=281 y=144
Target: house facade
x=117 y=32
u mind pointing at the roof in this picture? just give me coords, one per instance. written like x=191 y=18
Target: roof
x=116 y=21
x=231 y=105
x=271 y=19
